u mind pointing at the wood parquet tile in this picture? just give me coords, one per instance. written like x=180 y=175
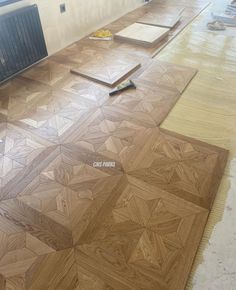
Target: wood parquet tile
x=55 y=114
x=54 y=271
x=146 y=240
x=13 y=160
x=169 y=75
x=109 y=70
x=91 y=281
x=19 y=250
x=68 y=167
x=71 y=189
x=110 y=133
x=19 y=96
x=47 y=72
x=183 y=166
x=38 y=225
x=21 y=154
x=155 y=102
x=65 y=204
x=93 y=92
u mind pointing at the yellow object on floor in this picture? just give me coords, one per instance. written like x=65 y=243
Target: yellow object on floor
x=102 y=33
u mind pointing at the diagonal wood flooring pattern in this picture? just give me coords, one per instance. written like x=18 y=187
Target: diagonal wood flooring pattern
x=145 y=240
x=120 y=204
x=133 y=226
x=93 y=195
x=109 y=70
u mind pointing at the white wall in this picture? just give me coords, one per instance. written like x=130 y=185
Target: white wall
x=81 y=17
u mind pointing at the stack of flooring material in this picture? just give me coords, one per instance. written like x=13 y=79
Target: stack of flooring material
x=168 y=20
x=167 y=8
x=162 y=21
x=152 y=27
x=142 y=34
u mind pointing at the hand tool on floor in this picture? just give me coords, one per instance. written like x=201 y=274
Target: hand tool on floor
x=123 y=87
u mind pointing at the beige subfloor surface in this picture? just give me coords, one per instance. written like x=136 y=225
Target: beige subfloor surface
x=207 y=111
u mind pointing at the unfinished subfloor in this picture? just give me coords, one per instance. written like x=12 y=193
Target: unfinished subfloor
x=207 y=111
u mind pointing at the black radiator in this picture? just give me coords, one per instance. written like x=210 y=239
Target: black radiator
x=21 y=41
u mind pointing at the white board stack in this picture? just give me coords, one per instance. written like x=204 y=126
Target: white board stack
x=142 y=34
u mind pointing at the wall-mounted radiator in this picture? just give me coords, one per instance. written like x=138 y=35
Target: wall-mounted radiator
x=21 y=41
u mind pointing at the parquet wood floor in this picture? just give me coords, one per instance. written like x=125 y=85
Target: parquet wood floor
x=184 y=167
x=168 y=75
x=109 y=70
x=93 y=195
x=148 y=103
x=81 y=52
x=189 y=13
x=145 y=240
x=136 y=225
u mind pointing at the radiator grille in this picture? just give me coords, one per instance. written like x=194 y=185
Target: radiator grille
x=21 y=41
